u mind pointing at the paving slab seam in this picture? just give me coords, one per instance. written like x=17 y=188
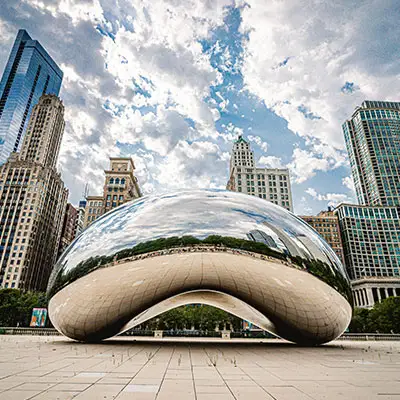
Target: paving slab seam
x=220 y=374
x=254 y=381
x=140 y=369
x=165 y=372
x=191 y=370
x=93 y=383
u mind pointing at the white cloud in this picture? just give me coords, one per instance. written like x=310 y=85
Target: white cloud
x=270 y=162
x=259 y=142
x=301 y=54
x=305 y=164
x=333 y=199
x=349 y=183
x=195 y=165
x=303 y=207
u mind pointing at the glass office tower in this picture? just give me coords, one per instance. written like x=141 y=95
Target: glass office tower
x=373 y=142
x=29 y=73
x=371 y=231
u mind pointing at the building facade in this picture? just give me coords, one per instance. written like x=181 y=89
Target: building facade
x=121 y=185
x=33 y=201
x=80 y=222
x=68 y=231
x=29 y=73
x=372 y=138
x=368 y=291
x=371 y=246
x=266 y=183
x=371 y=240
x=93 y=210
x=371 y=231
x=327 y=225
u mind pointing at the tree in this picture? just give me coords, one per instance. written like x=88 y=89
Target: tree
x=198 y=316
x=360 y=322
x=16 y=306
x=386 y=315
x=383 y=318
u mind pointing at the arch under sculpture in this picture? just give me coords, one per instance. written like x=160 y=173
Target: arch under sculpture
x=236 y=252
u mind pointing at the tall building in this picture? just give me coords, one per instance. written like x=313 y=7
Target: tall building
x=372 y=138
x=121 y=185
x=93 y=210
x=326 y=224
x=371 y=231
x=265 y=183
x=29 y=73
x=371 y=244
x=33 y=201
x=68 y=231
x=80 y=223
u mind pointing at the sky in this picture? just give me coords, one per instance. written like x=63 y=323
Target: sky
x=171 y=83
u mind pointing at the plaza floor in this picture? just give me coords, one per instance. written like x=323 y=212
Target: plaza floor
x=34 y=367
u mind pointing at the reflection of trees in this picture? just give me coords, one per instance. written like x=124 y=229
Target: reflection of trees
x=328 y=275
x=177 y=244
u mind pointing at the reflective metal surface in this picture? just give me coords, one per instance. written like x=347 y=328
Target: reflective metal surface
x=237 y=252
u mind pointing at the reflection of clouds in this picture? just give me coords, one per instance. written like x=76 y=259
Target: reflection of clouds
x=199 y=213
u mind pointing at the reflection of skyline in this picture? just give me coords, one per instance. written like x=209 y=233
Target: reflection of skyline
x=205 y=213
x=260 y=236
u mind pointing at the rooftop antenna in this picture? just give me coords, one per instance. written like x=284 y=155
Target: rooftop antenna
x=86 y=191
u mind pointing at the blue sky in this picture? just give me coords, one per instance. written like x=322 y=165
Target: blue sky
x=172 y=83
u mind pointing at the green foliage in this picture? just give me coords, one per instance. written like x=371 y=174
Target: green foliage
x=383 y=318
x=360 y=322
x=16 y=306
x=197 y=316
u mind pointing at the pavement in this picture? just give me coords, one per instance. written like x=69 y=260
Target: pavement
x=37 y=367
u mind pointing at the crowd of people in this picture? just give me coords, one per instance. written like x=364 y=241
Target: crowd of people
x=200 y=249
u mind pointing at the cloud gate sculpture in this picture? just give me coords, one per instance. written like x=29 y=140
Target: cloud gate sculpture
x=233 y=251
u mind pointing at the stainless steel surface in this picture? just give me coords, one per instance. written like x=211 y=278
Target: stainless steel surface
x=241 y=253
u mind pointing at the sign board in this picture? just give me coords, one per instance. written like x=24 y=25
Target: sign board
x=39 y=316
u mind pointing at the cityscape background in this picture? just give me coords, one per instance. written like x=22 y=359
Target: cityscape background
x=137 y=83
x=38 y=220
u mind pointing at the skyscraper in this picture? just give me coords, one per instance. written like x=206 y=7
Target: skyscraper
x=33 y=201
x=80 y=223
x=94 y=209
x=271 y=184
x=120 y=186
x=372 y=138
x=29 y=73
x=68 y=231
x=371 y=231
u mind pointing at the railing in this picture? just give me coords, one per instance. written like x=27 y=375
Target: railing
x=369 y=336
x=189 y=333
x=29 y=331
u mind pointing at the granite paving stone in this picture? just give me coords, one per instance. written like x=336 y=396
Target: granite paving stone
x=124 y=368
